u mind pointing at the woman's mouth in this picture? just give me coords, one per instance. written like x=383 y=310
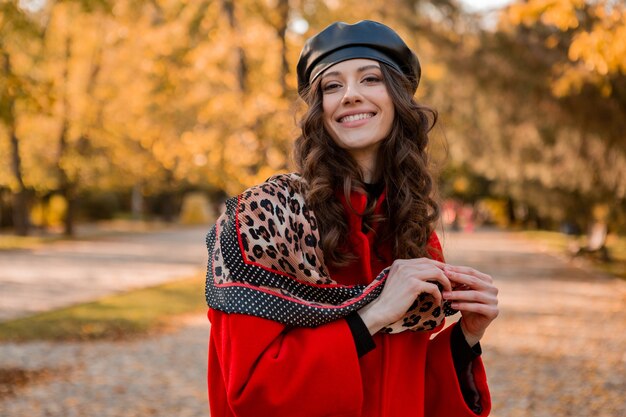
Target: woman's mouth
x=355 y=117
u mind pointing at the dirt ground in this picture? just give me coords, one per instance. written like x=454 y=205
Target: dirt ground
x=99 y=263
x=558 y=349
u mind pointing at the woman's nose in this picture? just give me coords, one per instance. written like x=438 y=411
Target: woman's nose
x=352 y=93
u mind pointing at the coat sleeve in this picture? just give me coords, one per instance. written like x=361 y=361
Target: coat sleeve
x=443 y=391
x=258 y=367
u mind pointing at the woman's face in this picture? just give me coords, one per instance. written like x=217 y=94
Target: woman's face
x=358 y=111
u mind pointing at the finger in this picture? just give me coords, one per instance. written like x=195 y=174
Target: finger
x=490 y=312
x=427 y=261
x=417 y=264
x=469 y=271
x=425 y=267
x=466 y=279
x=434 y=274
x=437 y=263
x=470 y=296
x=433 y=290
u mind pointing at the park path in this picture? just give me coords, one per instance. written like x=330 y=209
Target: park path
x=100 y=263
x=557 y=349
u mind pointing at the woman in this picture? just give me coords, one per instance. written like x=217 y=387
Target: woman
x=326 y=286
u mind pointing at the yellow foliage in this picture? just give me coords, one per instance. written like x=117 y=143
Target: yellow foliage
x=436 y=71
x=196 y=209
x=461 y=185
x=496 y=210
x=560 y=13
x=603 y=49
x=551 y=42
x=568 y=79
x=168 y=106
x=50 y=214
x=594 y=54
x=275 y=158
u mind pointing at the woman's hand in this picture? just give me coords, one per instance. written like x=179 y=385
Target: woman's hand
x=475 y=297
x=407 y=279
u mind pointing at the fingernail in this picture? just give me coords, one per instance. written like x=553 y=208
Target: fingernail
x=446 y=294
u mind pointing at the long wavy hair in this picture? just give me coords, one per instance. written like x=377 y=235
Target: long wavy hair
x=410 y=210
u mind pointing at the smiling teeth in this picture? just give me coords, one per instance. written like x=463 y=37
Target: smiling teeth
x=354 y=117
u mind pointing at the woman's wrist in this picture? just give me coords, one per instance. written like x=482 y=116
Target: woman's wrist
x=471 y=338
x=372 y=318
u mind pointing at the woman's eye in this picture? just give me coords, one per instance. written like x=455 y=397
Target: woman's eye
x=330 y=86
x=372 y=79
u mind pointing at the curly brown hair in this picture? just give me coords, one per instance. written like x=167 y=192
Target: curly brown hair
x=410 y=210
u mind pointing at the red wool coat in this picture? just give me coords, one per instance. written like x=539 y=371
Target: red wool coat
x=258 y=367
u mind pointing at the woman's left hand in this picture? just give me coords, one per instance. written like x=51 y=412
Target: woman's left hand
x=475 y=297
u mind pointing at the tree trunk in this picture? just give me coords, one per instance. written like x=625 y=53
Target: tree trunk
x=241 y=68
x=20 y=207
x=283 y=11
x=136 y=202
x=66 y=185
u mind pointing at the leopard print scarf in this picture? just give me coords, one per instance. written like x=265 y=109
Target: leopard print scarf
x=265 y=260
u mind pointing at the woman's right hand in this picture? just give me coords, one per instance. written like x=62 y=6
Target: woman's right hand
x=407 y=279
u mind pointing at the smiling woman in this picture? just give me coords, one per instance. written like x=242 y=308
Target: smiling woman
x=326 y=287
x=358 y=112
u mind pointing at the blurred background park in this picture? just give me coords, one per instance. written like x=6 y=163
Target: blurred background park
x=126 y=123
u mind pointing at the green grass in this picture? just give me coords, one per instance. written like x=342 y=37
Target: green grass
x=12 y=242
x=554 y=240
x=560 y=243
x=121 y=316
x=9 y=241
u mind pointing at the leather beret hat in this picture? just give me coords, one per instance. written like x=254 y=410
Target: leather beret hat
x=365 y=39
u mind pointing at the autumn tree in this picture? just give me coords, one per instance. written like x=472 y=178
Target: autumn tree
x=151 y=98
x=538 y=116
x=18 y=36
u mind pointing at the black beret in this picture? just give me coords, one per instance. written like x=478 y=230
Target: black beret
x=365 y=39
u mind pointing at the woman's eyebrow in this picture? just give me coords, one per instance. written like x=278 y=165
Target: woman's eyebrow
x=367 y=67
x=360 y=69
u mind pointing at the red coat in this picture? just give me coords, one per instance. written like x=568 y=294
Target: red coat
x=258 y=367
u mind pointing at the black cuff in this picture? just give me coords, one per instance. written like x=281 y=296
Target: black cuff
x=463 y=355
x=363 y=340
